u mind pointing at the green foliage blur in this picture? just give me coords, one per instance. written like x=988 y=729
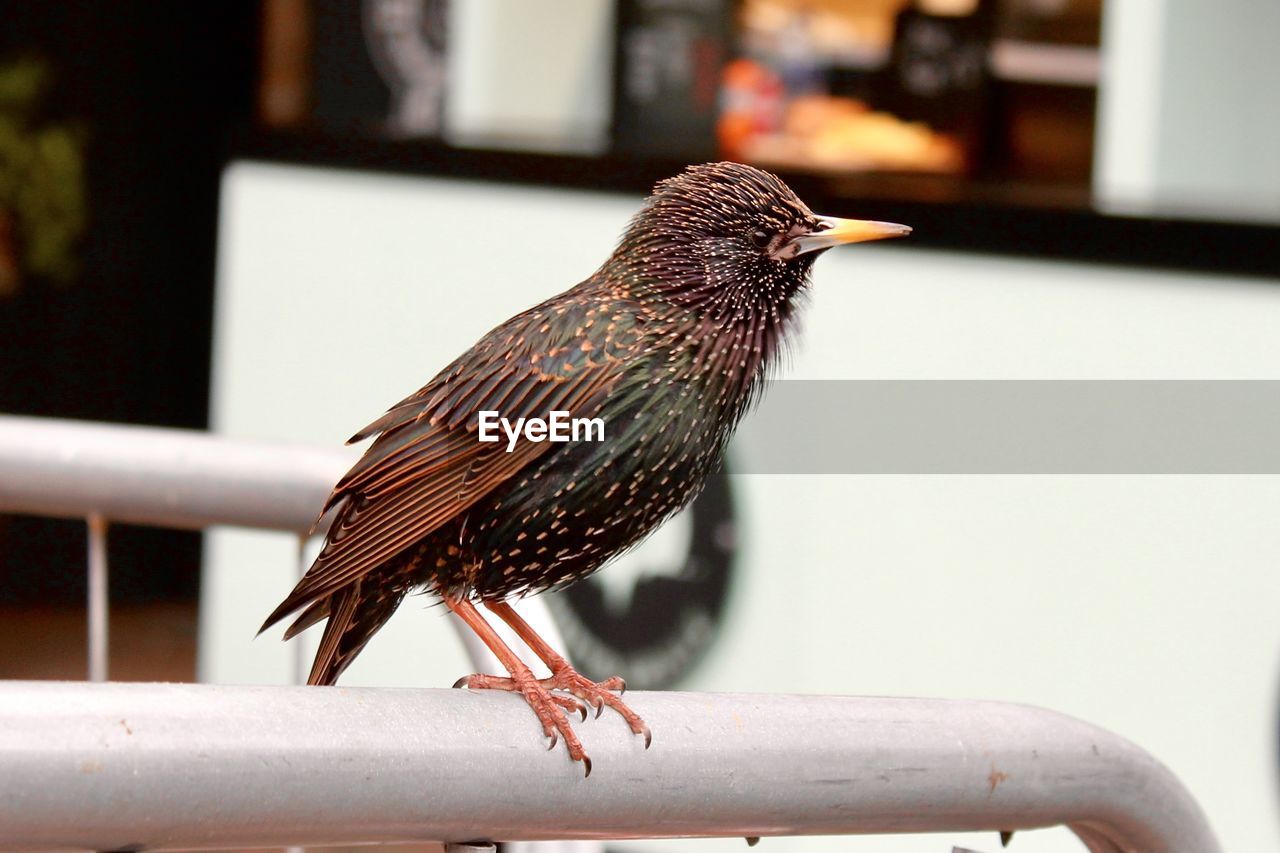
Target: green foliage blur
x=43 y=208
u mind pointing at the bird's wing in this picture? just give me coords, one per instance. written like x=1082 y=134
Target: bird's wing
x=428 y=465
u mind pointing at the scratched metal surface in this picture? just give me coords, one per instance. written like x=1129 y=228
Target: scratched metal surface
x=140 y=766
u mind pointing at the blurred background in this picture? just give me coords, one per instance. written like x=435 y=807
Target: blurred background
x=274 y=219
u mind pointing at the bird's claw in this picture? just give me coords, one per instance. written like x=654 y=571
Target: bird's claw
x=598 y=695
x=572 y=692
x=548 y=706
x=571 y=703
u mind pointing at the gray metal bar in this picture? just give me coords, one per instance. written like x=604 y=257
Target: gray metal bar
x=166 y=477
x=213 y=766
x=301 y=651
x=114 y=766
x=98 y=604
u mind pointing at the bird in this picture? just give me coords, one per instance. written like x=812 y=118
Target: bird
x=667 y=344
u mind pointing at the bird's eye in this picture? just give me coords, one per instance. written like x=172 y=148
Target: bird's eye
x=760 y=239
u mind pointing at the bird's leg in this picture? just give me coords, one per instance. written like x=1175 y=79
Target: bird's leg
x=544 y=703
x=565 y=677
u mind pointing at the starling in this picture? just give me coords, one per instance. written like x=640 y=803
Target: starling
x=667 y=345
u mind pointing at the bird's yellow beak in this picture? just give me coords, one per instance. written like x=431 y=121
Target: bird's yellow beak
x=833 y=232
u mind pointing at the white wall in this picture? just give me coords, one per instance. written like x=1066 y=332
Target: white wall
x=1146 y=605
x=1188 y=115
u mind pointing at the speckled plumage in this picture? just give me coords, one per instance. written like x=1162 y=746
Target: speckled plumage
x=668 y=342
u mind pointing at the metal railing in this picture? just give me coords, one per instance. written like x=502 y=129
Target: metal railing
x=128 y=766
x=159 y=477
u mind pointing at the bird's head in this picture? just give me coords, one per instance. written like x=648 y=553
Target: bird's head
x=730 y=237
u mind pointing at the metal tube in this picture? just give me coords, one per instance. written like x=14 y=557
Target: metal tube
x=301 y=651
x=112 y=766
x=116 y=766
x=98 y=602
x=165 y=477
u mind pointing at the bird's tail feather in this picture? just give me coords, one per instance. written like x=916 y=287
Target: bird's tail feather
x=289 y=605
x=315 y=611
x=355 y=615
